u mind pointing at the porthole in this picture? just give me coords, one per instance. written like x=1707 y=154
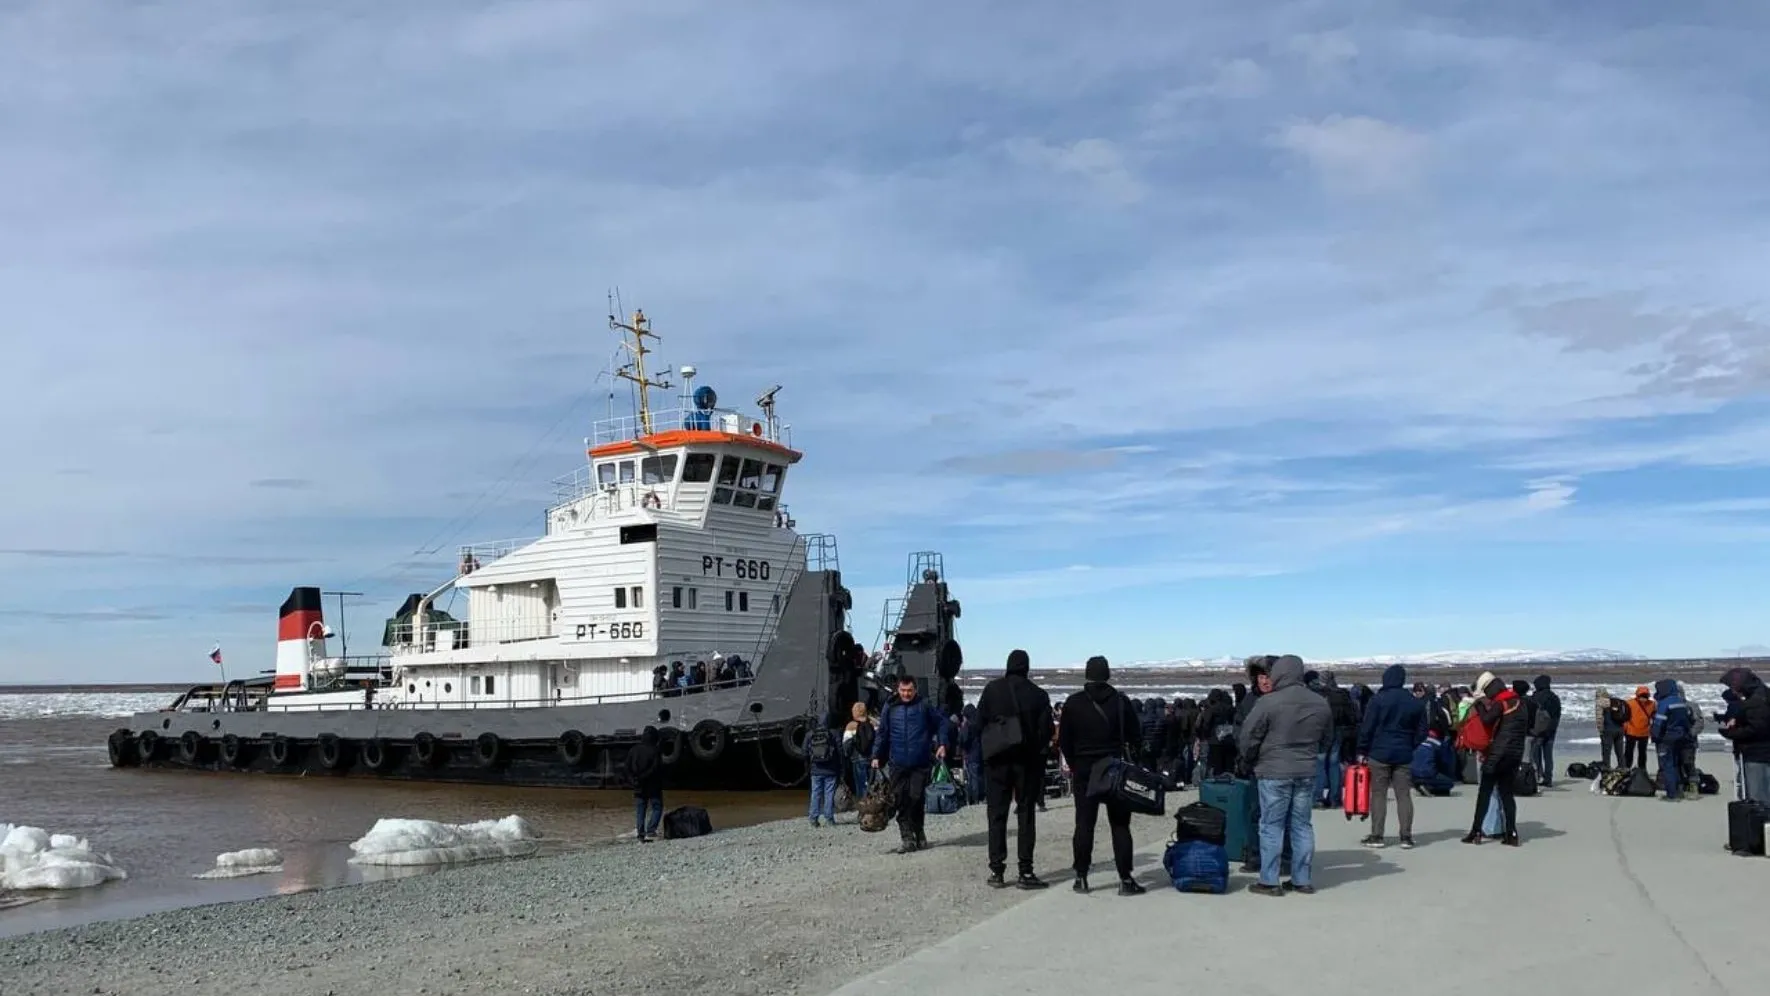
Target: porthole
x=756 y=707
x=663 y=715
x=447 y=688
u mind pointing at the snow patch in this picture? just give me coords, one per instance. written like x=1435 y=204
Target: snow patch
x=425 y=842
x=31 y=858
x=251 y=861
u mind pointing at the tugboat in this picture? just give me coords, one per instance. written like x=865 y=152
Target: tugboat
x=670 y=590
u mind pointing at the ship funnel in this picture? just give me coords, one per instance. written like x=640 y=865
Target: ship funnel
x=301 y=636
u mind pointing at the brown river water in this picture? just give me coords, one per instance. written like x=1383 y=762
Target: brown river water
x=165 y=826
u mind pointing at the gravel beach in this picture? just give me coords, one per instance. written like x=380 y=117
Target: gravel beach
x=774 y=908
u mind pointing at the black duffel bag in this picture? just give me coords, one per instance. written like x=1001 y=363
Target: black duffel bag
x=1137 y=789
x=1201 y=822
x=687 y=821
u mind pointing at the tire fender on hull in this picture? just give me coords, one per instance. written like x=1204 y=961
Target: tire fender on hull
x=334 y=752
x=121 y=746
x=488 y=750
x=427 y=752
x=573 y=749
x=708 y=740
x=794 y=735
x=147 y=746
x=282 y=751
x=670 y=745
x=235 y=753
x=190 y=747
x=377 y=754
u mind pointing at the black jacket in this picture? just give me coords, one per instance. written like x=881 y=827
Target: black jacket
x=1097 y=722
x=1510 y=721
x=1750 y=732
x=1549 y=704
x=1014 y=694
x=645 y=766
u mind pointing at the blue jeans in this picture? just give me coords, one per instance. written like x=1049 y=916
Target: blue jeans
x=1327 y=776
x=861 y=769
x=1286 y=801
x=648 y=828
x=973 y=779
x=823 y=796
x=1754 y=780
x=1671 y=761
x=1545 y=759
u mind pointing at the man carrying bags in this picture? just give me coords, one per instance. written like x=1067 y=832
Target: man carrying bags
x=1015 y=715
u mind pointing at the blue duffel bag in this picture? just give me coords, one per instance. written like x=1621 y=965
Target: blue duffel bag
x=1197 y=866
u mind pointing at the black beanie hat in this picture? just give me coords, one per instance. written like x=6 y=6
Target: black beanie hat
x=1097 y=670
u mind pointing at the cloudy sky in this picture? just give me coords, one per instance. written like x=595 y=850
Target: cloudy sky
x=1182 y=329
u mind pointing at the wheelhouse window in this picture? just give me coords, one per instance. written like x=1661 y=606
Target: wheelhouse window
x=658 y=469
x=728 y=470
x=698 y=468
x=749 y=483
x=626 y=472
x=605 y=474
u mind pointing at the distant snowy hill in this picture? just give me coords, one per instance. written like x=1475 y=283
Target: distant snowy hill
x=1442 y=658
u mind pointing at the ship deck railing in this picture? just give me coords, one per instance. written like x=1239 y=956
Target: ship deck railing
x=479 y=704
x=732 y=421
x=610 y=499
x=465 y=635
x=481 y=555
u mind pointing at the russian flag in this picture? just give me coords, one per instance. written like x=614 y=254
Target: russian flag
x=215 y=655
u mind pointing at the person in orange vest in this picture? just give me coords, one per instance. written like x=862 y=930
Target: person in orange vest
x=1637 y=727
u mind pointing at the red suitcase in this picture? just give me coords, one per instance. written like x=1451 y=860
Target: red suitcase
x=1356 y=794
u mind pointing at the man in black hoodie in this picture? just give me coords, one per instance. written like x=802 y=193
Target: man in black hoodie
x=1548 y=726
x=645 y=769
x=1099 y=723
x=1749 y=732
x=1016 y=773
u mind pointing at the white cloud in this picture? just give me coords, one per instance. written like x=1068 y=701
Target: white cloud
x=1357 y=153
x=1096 y=160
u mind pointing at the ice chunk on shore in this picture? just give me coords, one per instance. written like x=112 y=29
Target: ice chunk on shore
x=251 y=861
x=31 y=858
x=425 y=842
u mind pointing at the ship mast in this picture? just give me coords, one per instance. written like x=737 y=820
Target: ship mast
x=640 y=330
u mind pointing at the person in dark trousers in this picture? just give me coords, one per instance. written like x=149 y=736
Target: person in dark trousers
x=1017 y=774
x=1521 y=688
x=912 y=735
x=1500 y=710
x=1747 y=727
x=1612 y=714
x=1638 y=728
x=1393 y=726
x=1548 y=727
x=1671 y=728
x=645 y=769
x=1099 y=723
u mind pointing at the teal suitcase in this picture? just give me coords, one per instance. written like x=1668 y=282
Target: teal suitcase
x=1236 y=798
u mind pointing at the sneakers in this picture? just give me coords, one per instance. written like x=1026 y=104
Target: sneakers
x=996 y=881
x=1373 y=842
x=1407 y=843
x=1028 y=881
x=1129 y=887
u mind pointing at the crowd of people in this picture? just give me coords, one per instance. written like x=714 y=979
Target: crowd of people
x=1290 y=730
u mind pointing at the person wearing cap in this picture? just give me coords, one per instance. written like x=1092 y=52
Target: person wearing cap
x=1638 y=727
x=1748 y=729
x=1099 y=723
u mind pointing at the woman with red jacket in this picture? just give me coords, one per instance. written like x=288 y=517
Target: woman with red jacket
x=1507 y=724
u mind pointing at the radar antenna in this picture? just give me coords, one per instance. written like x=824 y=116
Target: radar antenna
x=640 y=329
x=766 y=403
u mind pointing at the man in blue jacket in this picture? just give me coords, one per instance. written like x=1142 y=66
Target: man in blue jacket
x=912 y=735
x=1434 y=771
x=1394 y=724
x=1671 y=729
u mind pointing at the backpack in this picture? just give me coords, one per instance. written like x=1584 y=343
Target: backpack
x=1474 y=735
x=820 y=745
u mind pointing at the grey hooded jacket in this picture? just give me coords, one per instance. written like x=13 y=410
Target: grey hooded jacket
x=1289 y=727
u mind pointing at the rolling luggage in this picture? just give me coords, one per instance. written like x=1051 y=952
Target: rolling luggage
x=1355 y=796
x=1235 y=798
x=1745 y=827
x=1197 y=866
